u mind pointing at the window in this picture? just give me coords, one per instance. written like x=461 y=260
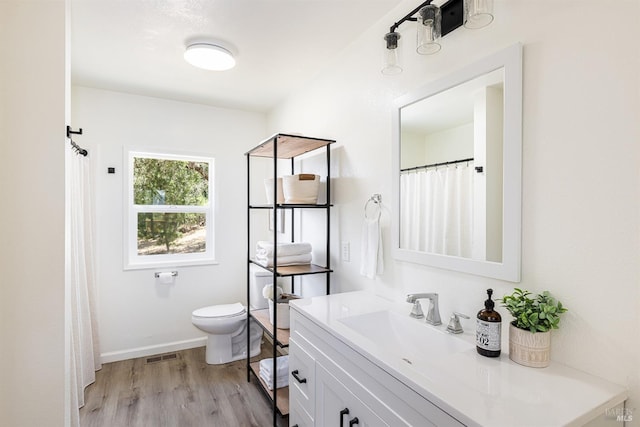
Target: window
x=170 y=210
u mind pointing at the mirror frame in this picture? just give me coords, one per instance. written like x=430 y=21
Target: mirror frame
x=509 y=269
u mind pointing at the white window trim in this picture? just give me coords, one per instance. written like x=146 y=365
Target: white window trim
x=133 y=261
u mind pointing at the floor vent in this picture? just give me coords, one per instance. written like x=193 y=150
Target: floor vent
x=155 y=359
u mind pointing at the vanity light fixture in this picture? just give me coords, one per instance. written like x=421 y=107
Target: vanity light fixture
x=432 y=23
x=392 y=59
x=428 y=25
x=478 y=13
x=209 y=56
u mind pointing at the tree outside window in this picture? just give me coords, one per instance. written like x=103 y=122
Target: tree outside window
x=170 y=208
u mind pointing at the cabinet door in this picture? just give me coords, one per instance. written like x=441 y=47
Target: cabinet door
x=338 y=407
x=301 y=378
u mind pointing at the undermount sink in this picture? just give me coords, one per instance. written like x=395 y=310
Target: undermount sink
x=411 y=339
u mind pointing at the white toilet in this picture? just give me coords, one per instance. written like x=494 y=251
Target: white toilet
x=226 y=324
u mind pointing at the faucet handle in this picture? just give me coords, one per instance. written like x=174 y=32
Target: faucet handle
x=454 y=326
x=416 y=310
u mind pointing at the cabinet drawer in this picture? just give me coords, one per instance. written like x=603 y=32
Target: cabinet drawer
x=338 y=405
x=297 y=415
x=302 y=376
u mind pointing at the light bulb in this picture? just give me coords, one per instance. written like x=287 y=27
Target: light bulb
x=209 y=57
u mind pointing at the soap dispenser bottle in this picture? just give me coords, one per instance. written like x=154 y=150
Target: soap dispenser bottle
x=488 y=329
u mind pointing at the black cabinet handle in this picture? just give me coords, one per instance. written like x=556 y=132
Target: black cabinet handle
x=297 y=377
x=354 y=421
x=344 y=412
x=295 y=425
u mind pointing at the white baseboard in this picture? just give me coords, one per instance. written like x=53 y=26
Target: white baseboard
x=115 y=356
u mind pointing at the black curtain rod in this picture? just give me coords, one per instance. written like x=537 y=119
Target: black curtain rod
x=75 y=146
x=452 y=162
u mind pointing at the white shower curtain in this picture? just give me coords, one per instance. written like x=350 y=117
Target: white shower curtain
x=84 y=351
x=436 y=210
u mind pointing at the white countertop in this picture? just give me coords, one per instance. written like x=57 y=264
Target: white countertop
x=475 y=389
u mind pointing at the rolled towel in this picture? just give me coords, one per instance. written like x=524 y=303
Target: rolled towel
x=282 y=369
x=265 y=249
x=284 y=382
x=284 y=260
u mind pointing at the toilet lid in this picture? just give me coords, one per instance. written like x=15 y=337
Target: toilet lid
x=221 y=310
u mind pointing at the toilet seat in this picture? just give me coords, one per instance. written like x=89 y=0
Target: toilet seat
x=220 y=311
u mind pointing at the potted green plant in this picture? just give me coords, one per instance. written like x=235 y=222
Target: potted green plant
x=530 y=331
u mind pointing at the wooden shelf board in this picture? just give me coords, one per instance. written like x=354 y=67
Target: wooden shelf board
x=296 y=270
x=289 y=146
x=291 y=206
x=262 y=317
x=282 y=394
x=299 y=270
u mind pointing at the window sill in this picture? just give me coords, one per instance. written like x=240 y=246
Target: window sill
x=168 y=264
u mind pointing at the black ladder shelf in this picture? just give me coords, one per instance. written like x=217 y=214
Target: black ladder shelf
x=283 y=146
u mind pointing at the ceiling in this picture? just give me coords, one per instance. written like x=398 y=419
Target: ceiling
x=137 y=46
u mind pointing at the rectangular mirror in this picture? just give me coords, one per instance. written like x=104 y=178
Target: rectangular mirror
x=457 y=170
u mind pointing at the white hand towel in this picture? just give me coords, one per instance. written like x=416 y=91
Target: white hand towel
x=284 y=260
x=265 y=249
x=282 y=368
x=371 y=257
x=284 y=382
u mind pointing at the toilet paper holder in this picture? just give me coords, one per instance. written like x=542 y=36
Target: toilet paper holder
x=157 y=274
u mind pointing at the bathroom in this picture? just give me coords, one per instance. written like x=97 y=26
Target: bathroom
x=580 y=204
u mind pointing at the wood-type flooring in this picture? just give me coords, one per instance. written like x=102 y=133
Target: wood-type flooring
x=179 y=390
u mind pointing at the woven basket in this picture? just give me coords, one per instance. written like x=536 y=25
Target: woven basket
x=301 y=188
x=268 y=186
x=529 y=349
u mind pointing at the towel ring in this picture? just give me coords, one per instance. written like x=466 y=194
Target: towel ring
x=373 y=205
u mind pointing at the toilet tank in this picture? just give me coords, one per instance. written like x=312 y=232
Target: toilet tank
x=258 y=278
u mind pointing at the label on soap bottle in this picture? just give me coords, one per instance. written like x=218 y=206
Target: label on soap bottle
x=488 y=335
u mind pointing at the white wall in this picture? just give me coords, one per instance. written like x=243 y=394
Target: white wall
x=137 y=316
x=449 y=144
x=32 y=147
x=581 y=220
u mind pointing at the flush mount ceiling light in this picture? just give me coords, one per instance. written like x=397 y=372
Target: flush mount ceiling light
x=209 y=56
x=432 y=23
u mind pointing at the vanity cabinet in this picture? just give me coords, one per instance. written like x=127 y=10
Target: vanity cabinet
x=362 y=352
x=343 y=388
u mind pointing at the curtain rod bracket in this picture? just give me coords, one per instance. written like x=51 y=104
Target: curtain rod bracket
x=73 y=132
x=75 y=146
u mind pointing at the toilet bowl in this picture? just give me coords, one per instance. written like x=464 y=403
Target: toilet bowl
x=226 y=324
x=226 y=328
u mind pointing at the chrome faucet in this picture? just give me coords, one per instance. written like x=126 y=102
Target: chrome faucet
x=454 y=326
x=433 y=313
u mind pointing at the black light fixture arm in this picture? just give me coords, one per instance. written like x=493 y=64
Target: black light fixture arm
x=452 y=15
x=409 y=16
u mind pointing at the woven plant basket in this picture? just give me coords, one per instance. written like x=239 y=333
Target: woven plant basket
x=529 y=349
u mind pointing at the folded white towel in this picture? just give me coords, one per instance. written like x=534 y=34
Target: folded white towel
x=284 y=260
x=284 y=382
x=266 y=249
x=282 y=368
